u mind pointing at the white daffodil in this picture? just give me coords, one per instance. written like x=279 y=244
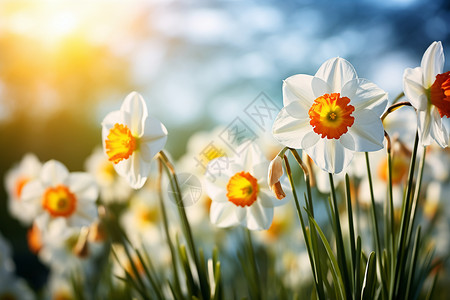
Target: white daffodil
x=15 y=179
x=428 y=90
x=63 y=196
x=239 y=190
x=131 y=138
x=331 y=115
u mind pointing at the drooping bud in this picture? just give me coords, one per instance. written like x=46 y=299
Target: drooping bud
x=274 y=175
x=81 y=248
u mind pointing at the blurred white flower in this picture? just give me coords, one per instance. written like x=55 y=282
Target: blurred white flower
x=239 y=190
x=113 y=188
x=131 y=138
x=428 y=90
x=331 y=115
x=15 y=179
x=12 y=287
x=57 y=195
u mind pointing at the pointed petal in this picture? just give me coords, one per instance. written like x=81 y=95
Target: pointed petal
x=330 y=155
x=438 y=130
x=367 y=131
x=138 y=172
x=424 y=127
x=53 y=172
x=153 y=139
x=223 y=214
x=259 y=217
x=32 y=193
x=366 y=96
x=336 y=72
x=432 y=63
x=320 y=87
x=136 y=112
x=84 y=185
x=413 y=88
x=289 y=130
x=298 y=88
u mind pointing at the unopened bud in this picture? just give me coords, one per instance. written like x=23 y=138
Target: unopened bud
x=274 y=175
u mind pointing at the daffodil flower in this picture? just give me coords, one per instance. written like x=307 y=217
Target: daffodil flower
x=331 y=115
x=428 y=90
x=131 y=138
x=63 y=197
x=239 y=191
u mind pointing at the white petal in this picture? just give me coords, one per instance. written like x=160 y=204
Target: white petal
x=290 y=131
x=413 y=88
x=336 y=72
x=347 y=141
x=424 y=126
x=259 y=217
x=296 y=110
x=154 y=138
x=223 y=214
x=53 y=172
x=320 y=87
x=139 y=171
x=266 y=199
x=123 y=167
x=310 y=140
x=241 y=214
x=330 y=155
x=298 y=88
x=432 y=63
x=84 y=185
x=366 y=96
x=216 y=190
x=438 y=130
x=367 y=131
x=251 y=156
x=32 y=193
x=136 y=112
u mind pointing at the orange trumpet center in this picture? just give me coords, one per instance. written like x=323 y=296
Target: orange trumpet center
x=120 y=143
x=330 y=115
x=440 y=94
x=59 y=201
x=242 y=189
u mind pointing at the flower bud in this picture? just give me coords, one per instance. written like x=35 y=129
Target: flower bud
x=274 y=175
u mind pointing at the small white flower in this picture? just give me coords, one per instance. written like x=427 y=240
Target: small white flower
x=131 y=138
x=239 y=190
x=331 y=115
x=428 y=90
x=113 y=188
x=60 y=195
x=15 y=179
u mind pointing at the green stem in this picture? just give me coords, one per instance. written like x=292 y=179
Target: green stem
x=313 y=254
x=185 y=224
x=339 y=239
x=374 y=221
x=253 y=264
x=166 y=231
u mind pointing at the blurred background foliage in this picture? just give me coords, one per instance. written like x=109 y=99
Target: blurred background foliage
x=65 y=64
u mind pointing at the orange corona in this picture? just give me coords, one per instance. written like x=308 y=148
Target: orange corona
x=20 y=183
x=440 y=94
x=242 y=189
x=120 y=143
x=59 y=201
x=330 y=115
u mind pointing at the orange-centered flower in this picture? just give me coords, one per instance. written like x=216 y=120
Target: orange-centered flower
x=440 y=94
x=120 y=143
x=330 y=115
x=59 y=201
x=242 y=189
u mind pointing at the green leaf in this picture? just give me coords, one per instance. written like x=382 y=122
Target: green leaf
x=370 y=281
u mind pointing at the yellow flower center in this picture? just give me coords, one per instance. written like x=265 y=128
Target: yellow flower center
x=242 y=189
x=440 y=94
x=330 y=115
x=147 y=216
x=59 y=201
x=120 y=143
